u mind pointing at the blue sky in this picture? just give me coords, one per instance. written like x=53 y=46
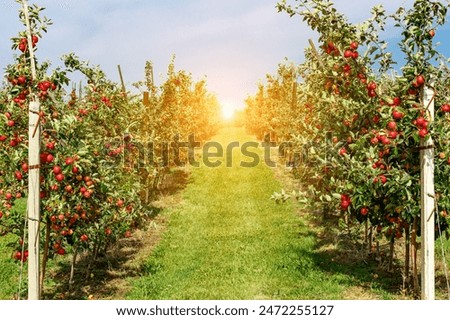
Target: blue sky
x=232 y=43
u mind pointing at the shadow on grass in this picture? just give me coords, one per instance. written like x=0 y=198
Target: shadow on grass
x=107 y=277
x=174 y=182
x=338 y=253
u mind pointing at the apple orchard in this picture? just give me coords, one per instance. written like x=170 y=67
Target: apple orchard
x=357 y=120
x=92 y=190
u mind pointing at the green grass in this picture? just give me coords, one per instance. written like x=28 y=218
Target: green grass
x=442 y=249
x=9 y=271
x=9 y=268
x=228 y=240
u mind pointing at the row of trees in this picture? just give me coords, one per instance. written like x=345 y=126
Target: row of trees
x=357 y=120
x=93 y=191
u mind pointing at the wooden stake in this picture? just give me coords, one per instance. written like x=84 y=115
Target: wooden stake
x=80 y=91
x=294 y=95
x=124 y=90
x=316 y=53
x=151 y=76
x=34 y=202
x=427 y=203
x=145 y=98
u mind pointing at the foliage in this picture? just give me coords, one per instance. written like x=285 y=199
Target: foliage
x=93 y=189
x=357 y=123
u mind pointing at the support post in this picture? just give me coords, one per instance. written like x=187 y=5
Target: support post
x=124 y=89
x=427 y=203
x=316 y=53
x=145 y=98
x=34 y=201
x=294 y=95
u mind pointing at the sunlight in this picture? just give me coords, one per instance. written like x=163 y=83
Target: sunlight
x=228 y=110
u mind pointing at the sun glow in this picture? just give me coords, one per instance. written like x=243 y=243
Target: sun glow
x=228 y=110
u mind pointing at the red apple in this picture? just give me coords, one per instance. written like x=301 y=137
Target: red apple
x=57 y=170
x=120 y=203
x=392 y=125
x=423 y=132
x=69 y=160
x=371 y=86
x=397 y=115
x=50 y=145
x=420 y=122
x=396 y=101
x=50 y=158
x=348 y=54
x=18 y=175
x=420 y=80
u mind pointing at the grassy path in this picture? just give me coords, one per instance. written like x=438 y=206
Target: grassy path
x=228 y=240
x=8 y=271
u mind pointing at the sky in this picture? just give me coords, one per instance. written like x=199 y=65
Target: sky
x=231 y=43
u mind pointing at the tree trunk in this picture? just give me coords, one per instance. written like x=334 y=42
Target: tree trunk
x=45 y=256
x=72 y=267
x=391 y=253
x=92 y=260
x=415 y=248
x=378 y=252
x=366 y=233
x=407 y=253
